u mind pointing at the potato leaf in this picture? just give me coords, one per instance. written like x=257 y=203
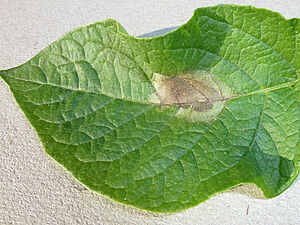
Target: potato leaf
x=164 y=123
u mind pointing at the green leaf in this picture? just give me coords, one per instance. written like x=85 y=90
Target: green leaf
x=164 y=123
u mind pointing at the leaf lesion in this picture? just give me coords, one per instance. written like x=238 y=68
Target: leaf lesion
x=196 y=91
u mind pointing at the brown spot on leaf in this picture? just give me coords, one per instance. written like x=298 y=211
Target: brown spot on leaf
x=187 y=92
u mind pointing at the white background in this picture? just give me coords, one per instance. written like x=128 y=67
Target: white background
x=34 y=189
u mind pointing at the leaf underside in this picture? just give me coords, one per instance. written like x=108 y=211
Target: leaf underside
x=164 y=123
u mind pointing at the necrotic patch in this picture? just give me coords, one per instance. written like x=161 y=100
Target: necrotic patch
x=198 y=94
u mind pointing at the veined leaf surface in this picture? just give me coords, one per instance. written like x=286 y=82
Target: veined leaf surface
x=164 y=123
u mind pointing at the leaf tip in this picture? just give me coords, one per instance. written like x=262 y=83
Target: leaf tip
x=2 y=73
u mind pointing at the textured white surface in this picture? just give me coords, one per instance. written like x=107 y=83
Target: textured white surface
x=34 y=189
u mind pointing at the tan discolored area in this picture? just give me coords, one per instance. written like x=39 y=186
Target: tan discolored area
x=198 y=94
x=186 y=91
x=250 y=190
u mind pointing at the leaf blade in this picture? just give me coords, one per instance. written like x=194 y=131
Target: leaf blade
x=91 y=98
